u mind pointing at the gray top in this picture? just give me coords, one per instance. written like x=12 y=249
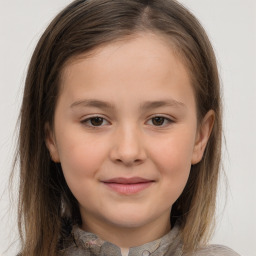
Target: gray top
x=81 y=243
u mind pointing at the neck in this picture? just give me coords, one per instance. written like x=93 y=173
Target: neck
x=126 y=237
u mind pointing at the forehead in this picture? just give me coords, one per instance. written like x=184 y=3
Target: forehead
x=141 y=63
x=154 y=44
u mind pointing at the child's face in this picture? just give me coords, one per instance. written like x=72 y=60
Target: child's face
x=143 y=126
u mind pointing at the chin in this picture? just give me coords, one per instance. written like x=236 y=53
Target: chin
x=129 y=219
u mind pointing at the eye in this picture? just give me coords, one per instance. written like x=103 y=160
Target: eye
x=95 y=121
x=160 y=121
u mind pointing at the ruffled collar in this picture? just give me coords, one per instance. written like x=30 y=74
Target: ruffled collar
x=89 y=242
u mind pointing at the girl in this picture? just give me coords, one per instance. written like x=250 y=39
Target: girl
x=120 y=133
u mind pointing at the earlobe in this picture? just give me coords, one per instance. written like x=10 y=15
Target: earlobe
x=203 y=134
x=50 y=142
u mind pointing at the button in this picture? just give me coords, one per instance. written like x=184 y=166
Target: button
x=145 y=253
x=87 y=245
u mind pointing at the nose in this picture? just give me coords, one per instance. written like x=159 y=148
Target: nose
x=128 y=147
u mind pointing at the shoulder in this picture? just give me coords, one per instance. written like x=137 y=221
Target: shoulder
x=215 y=250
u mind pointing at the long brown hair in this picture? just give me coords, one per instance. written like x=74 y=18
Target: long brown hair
x=44 y=197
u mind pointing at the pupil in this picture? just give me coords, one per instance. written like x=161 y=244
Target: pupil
x=158 y=121
x=96 y=121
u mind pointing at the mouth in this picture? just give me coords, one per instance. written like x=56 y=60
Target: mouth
x=128 y=186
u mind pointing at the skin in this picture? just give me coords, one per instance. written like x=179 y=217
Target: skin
x=127 y=143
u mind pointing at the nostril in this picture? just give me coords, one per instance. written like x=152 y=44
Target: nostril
x=129 y=162
x=127 y=151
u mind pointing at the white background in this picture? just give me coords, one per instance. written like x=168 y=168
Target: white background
x=231 y=25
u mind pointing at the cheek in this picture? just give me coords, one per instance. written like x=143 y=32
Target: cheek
x=173 y=160
x=174 y=153
x=81 y=158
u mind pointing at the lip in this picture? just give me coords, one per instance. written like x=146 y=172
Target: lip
x=128 y=186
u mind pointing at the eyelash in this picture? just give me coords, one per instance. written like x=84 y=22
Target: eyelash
x=167 y=121
x=85 y=121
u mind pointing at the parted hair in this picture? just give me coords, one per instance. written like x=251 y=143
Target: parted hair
x=45 y=201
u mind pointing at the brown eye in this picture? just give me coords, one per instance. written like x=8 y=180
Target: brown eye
x=96 y=121
x=158 y=121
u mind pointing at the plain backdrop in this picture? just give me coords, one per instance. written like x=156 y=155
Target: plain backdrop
x=231 y=26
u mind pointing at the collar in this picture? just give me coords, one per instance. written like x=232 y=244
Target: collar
x=96 y=246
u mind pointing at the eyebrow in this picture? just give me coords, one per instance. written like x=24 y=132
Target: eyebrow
x=148 y=105
x=161 y=103
x=92 y=103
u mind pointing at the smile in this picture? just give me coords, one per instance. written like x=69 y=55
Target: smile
x=128 y=186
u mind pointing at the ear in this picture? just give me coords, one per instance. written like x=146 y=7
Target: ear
x=50 y=142
x=203 y=134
